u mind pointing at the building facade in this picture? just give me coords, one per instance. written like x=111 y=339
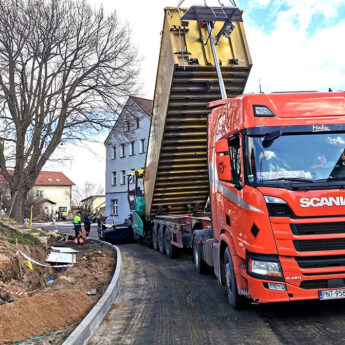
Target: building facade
x=94 y=203
x=55 y=188
x=125 y=151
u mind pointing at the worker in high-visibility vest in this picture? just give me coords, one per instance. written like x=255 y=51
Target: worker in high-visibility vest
x=77 y=228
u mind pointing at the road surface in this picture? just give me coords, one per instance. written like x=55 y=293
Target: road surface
x=65 y=228
x=164 y=301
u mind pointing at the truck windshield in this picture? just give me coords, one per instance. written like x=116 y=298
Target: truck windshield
x=306 y=158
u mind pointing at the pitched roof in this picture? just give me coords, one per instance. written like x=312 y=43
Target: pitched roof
x=144 y=103
x=53 y=178
x=93 y=197
x=49 y=178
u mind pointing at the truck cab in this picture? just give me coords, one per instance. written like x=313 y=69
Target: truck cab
x=277 y=179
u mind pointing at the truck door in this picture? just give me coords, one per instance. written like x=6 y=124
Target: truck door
x=228 y=210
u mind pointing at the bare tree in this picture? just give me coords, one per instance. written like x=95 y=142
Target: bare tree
x=88 y=189
x=65 y=70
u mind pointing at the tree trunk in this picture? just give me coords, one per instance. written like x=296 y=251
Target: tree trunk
x=18 y=199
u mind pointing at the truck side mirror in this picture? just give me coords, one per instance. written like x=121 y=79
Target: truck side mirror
x=223 y=160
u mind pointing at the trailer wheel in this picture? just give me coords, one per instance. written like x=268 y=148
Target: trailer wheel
x=161 y=241
x=170 y=250
x=236 y=301
x=155 y=237
x=199 y=263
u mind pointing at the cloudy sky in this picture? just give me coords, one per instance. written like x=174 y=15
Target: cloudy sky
x=295 y=45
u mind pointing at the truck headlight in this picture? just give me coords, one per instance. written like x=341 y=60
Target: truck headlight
x=273 y=200
x=277 y=207
x=265 y=268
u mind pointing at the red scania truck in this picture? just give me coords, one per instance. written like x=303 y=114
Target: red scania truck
x=272 y=166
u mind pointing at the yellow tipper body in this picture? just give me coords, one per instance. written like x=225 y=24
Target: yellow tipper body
x=176 y=173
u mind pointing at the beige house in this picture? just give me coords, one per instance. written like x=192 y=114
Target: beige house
x=55 y=190
x=94 y=203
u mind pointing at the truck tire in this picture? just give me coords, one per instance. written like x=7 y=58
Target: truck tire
x=161 y=241
x=155 y=237
x=170 y=250
x=235 y=300
x=199 y=263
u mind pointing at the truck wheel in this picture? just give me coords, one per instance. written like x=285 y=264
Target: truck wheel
x=161 y=242
x=236 y=301
x=199 y=263
x=170 y=250
x=155 y=238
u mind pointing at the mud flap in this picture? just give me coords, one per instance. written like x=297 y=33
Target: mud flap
x=216 y=267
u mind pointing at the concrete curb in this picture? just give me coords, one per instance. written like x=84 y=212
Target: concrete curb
x=88 y=327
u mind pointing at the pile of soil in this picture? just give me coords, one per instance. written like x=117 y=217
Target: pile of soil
x=94 y=269
x=15 y=275
x=61 y=303
x=42 y=313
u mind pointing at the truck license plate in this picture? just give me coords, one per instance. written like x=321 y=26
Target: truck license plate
x=331 y=294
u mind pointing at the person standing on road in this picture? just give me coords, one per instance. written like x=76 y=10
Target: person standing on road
x=77 y=229
x=87 y=224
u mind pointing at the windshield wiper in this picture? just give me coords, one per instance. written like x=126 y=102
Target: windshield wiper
x=328 y=179
x=290 y=179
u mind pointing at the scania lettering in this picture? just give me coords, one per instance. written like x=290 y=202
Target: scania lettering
x=317 y=202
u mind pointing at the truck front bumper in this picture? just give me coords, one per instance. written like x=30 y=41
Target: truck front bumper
x=258 y=291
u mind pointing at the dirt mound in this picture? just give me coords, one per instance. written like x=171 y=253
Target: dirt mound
x=42 y=313
x=93 y=270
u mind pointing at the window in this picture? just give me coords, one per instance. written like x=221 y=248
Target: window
x=138 y=123
x=115 y=207
x=114 y=178
x=123 y=177
x=142 y=145
x=128 y=126
x=235 y=157
x=39 y=193
x=131 y=149
x=122 y=150
x=114 y=152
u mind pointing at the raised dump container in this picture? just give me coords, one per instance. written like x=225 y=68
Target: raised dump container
x=176 y=173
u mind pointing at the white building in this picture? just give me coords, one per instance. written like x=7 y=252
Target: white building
x=94 y=203
x=56 y=188
x=125 y=150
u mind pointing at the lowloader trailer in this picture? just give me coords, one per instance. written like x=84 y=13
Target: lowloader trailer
x=272 y=166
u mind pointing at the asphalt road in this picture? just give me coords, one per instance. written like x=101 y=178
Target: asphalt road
x=66 y=228
x=164 y=301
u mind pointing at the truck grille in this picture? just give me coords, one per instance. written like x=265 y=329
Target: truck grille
x=322 y=283
x=321 y=261
x=316 y=245
x=318 y=228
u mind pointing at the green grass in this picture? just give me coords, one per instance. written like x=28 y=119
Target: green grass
x=23 y=239
x=3 y=230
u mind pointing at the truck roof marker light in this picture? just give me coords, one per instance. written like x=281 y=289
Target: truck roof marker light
x=262 y=111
